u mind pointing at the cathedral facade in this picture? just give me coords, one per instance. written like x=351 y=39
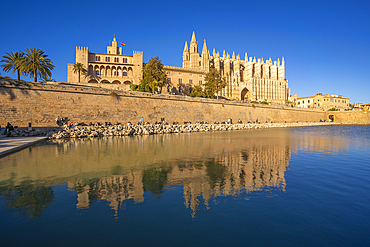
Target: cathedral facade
x=249 y=79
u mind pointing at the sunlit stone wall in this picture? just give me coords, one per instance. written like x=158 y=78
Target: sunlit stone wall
x=40 y=104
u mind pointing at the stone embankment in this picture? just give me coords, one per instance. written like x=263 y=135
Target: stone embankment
x=23 y=132
x=149 y=129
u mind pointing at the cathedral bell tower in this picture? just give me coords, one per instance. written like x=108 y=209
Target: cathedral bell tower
x=186 y=56
x=194 y=54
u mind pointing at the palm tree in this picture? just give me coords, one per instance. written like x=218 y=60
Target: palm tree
x=46 y=79
x=37 y=63
x=79 y=68
x=13 y=60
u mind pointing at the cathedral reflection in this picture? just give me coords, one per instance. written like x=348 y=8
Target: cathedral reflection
x=228 y=174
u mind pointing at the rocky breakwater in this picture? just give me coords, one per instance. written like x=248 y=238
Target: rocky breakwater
x=150 y=129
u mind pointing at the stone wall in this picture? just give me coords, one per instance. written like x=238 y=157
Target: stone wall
x=39 y=104
x=358 y=116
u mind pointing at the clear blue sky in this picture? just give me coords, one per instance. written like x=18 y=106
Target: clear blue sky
x=326 y=44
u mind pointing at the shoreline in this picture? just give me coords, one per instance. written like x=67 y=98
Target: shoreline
x=149 y=129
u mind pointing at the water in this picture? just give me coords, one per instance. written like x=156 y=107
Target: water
x=305 y=186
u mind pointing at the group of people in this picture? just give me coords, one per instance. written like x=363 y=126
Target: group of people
x=7 y=130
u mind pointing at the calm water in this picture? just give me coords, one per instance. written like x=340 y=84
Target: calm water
x=278 y=187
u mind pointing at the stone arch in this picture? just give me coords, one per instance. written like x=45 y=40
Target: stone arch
x=245 y=94
x=104 y=81
x=116 y=82
x=91 y=69
x=102 y=70
x=127 y=82
x=93 y=81
x=108 y=71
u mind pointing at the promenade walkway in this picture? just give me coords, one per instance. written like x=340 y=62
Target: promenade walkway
x=12 y=144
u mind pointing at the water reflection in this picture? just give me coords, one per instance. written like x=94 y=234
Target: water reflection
x=206 y=165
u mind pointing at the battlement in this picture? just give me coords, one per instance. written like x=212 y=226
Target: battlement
x=138 y=52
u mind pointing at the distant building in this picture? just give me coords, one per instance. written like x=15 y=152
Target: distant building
x=325 y=102
x=249 y=79
x=366 y=106
x=111 y=67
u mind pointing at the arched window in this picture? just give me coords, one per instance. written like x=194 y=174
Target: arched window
x=97 y=72
x=125 y=60
x=97 y=58
x=124 y=74
x=180 y=89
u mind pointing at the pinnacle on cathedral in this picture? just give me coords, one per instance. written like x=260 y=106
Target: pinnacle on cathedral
x=204 y=51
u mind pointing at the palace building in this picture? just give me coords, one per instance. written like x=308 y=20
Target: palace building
x=249 y=79
x=110 y=67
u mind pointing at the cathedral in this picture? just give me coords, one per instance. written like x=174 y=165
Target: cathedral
x=249 y=79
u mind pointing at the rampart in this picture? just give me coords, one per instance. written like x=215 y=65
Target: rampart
x=39 y=104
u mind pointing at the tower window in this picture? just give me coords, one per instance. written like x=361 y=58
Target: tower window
x=125 y=60
x=116 y=59
x=107 y=59
x=97 y=58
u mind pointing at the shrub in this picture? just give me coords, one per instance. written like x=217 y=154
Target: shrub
x=134 y=87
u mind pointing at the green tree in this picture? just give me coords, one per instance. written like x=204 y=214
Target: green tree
x=154 y=76
x=46 y=79
x=13 y=61
x=214 y=83
x=79 y=68
x=197 y=91
x=36 y=63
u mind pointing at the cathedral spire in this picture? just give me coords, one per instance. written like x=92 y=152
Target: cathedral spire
x=214 y=52
x=193 y=44
x=186 y=48
x=204 y=51
x=193 y=39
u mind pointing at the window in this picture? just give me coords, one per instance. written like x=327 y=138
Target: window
x=302 y=101
x=180 y=89
x=116 y=59
x=97 y=58
x=191 y=75
x=308 y=101
x=168 y=89
x=107 y=59
x=124 y=73
x=125 y=60
x=190 y=81
x=97 y=72
x=299 y=102
x=168 y=79
x=114 y=73
x=180 y=80
x=180 y=73
x=200 y=75
x=200 y=82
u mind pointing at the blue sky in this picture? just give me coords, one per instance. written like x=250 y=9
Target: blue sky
x=326 y=44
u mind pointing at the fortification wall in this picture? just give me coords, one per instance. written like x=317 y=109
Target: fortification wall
x=40 y=104
x=351 y=116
